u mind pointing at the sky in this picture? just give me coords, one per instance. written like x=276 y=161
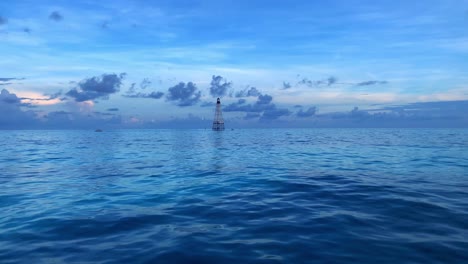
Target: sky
x=162 y=64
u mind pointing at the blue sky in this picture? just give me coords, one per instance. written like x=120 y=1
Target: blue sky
x=139 y=64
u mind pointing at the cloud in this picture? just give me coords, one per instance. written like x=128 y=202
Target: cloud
x=331 y=80
x=153 y=95
x=252 y=91
x=97 y=87
x=263 y=108
x=10 y=79
x=325 y=82
x=27 y=30
x=13 y=117
x=184 y=94
x=219 y=86
x=34 y=99
x=145 y=83
x=112 y=109
x=55 y=16
x=3 y=20
x=286 y=85
x=310 y=112
x=274 y=113
x=9 y=98
x=426 y=114
x=367 y=83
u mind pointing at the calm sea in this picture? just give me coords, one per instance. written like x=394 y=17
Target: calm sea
x=237 y=196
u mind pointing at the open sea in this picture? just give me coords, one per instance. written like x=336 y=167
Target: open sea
x=236 y=196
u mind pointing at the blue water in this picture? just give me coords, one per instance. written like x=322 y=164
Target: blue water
x=241 y=196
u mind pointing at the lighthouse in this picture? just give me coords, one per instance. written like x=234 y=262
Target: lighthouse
x=218 y=122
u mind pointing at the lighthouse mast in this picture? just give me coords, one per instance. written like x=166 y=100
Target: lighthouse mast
x=218 y=122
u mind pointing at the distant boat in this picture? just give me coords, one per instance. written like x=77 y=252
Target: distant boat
x=98 y=130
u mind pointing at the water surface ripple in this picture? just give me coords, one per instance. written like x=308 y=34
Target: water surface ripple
x=241 y=196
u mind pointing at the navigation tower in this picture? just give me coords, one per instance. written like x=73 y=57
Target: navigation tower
x=218 y=122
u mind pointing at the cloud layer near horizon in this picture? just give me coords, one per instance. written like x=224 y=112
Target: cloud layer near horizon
x=179 y=58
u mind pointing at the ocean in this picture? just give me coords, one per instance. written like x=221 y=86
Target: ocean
x=234 y=196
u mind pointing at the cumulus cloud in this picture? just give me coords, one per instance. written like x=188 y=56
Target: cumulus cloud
x=263 y=108
x=184 y=94
x=219 y=86
x=99 y=87
x=367 y=83
x=3 y=20
x=252 y=91
x=13 y=117
x=9 y=98
x=56 y=16
x=145 y=83
x=308 y=113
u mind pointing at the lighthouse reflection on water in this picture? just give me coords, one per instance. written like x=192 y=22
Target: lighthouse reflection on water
x=218 y=122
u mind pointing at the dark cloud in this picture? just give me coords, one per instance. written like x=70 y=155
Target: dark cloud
x=112 y=109
x=131 y=89
x=153 y=95
x=252 y=91
x=97 y=87
x=331 y=80
x=274 y=113
x=56 y=16
x=9 y=98
x=184 y=94
x=427 y=114
x=10 y=79
x=27 y=30
x=263 y=108
x=145 y=83
x=3 y=20
x=325 y=82
x=219 y=86
x=367 y=83
x=262 y=104
x=286 y=85
x=12 y=116
x=310 y=112
x=7 y=83
x=264 y=99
